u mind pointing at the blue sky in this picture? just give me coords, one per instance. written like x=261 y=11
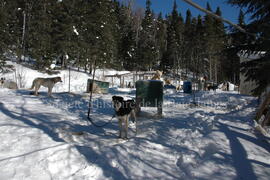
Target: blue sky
x=165 y=6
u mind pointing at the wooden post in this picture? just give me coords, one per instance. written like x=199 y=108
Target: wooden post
x=159 y=109
x=69 y=79
x=133 y=79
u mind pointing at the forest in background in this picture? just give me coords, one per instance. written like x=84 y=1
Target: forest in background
x=109 y=34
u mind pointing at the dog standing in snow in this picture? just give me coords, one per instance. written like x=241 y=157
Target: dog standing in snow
x=123 y=110
x=157 y=75
x=212 y=87
x=46 y=82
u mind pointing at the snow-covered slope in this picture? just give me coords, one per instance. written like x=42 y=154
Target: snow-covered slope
x=39 y=138
x=24 y=77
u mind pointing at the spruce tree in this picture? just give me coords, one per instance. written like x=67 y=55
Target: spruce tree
x=79 y=39
x=171 y=56
x=15 y=11
x=237 y=41
x=257 y=70
x=196 y=44
x=4 y=43
x=188 y=41
x=63 y=34
x=40 y=33
x=97 y=30
x=127 y=36
x=219 y=48
x=147 y=49
x=161 y=37
x=209 y=38
x=199 y=65
x=180 y=27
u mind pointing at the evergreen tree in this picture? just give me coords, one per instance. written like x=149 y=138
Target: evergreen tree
x=15 y=11
x=196 y=44
x=81 y=43
x=161 y=37
x=147 y=49
x=237 y=42
x=97 y=29
x=12 y=18
x=219 y=48
x=209 y=38
x=40 y=31
x=127 y=41
x=199 y=47
x=63 y=34
x=193 y=52
x=180 y=27
x=188 y=41
x=171 y=56
x=3 y=33
x=257 y=70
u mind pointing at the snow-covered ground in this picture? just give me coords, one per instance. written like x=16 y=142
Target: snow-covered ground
x=215 y=140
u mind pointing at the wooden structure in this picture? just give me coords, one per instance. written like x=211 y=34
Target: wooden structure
x=97 y=86
x=129 y=79
x=246 y=87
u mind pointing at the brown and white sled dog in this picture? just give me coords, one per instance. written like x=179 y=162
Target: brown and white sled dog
x=123 y=110
x=46 y=82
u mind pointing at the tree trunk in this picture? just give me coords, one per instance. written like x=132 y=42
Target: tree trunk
x=90 y=69
x=266 y=121
x=63 y=61
x=216 y=71
x=210 y=68
x=263 y=106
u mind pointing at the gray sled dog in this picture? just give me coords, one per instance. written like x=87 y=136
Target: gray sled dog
x=8 y=84
x=46 y=82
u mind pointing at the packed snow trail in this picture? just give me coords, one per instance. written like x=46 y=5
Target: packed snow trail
x=212 y=141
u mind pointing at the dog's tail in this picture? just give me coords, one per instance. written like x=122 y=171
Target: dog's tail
x=33 y=85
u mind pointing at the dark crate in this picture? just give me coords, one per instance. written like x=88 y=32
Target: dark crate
x=187 y=87
x=149 y=93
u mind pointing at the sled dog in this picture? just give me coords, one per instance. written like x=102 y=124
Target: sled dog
x=8 y=84
x=212 y=87
x=46 y=82
x=123 y=110
x=157 y=75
